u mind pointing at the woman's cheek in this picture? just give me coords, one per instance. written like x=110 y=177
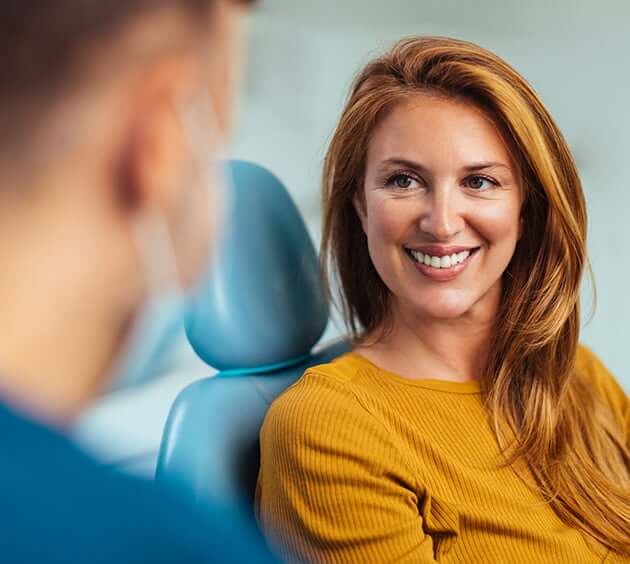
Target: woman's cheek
x=390 y=220
x=497 y=224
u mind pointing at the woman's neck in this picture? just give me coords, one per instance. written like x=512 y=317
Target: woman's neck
x=421 y=347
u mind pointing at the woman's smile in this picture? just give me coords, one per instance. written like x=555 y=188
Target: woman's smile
x=441 y=264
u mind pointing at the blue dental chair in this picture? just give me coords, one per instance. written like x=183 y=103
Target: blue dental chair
x=256 y=318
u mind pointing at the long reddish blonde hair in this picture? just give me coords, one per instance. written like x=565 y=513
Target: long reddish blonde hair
x=544 y=413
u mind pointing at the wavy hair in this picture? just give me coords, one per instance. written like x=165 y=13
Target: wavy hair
x=543 y=411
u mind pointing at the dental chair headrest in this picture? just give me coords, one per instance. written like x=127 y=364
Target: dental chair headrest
x=263 y=305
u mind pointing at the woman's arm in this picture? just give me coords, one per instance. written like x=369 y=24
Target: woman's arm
x=333 y=487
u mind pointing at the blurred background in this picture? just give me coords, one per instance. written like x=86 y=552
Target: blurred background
x=302 y=57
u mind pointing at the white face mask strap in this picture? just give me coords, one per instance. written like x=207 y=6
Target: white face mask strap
x=200 y=122
x=201 y=127
x=156 y=252
x=153 y=240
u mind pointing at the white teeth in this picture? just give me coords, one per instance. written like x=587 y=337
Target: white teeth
x=446 y=261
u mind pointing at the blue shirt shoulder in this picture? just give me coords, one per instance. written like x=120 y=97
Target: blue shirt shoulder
x=59 y=506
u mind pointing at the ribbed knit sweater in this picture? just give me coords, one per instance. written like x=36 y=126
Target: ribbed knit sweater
x=361 y=465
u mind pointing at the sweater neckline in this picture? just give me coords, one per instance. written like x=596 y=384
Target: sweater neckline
x=470 y=387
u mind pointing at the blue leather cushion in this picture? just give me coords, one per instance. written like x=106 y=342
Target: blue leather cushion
x=263 y=304
x=256 y=318
x=210 y=448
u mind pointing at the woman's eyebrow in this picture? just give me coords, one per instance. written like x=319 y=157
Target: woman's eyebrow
x=397 y=161
x=485 y=165
x=407 y=163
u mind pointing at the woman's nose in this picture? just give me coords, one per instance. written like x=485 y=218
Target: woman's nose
x=442 y=219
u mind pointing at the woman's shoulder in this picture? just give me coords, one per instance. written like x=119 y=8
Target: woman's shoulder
x=328 y=412
x=324 y=396
x=590 y=367
x=329 y=383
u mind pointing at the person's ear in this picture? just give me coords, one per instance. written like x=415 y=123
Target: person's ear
x=153 y=148
x=358 y=201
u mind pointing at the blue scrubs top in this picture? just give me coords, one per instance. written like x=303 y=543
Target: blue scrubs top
x=58 y=505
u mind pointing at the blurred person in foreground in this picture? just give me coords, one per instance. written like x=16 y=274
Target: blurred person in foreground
x=111 y=115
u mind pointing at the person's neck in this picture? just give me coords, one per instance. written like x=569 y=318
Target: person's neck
x=421 y=347
x=48 y=368
x=60 y=327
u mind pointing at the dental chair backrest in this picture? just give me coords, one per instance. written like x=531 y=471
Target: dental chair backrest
x=256 y=318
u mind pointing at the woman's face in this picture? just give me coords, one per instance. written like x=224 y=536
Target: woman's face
x=441 y=208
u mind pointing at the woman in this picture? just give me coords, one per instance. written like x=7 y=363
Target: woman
x=466 y=425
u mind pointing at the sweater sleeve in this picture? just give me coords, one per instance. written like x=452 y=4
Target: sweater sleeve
x=332 y=486
x=606 y=386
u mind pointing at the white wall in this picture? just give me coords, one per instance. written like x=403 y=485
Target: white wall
x=302 y=58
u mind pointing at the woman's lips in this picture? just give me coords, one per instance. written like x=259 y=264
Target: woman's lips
x=442 y=266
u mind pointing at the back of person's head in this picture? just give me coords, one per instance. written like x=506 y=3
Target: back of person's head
x=53 y=52
x=111 y=114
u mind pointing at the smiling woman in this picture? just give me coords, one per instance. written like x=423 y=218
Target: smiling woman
x=467 y=420
x=450 y=206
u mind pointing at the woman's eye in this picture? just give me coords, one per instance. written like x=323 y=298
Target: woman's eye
x=402 y=181
x=480 y=183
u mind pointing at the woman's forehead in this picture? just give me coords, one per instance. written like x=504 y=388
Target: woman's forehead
x=437 y=131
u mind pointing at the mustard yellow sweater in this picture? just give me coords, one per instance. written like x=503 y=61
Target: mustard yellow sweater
x=361 y=465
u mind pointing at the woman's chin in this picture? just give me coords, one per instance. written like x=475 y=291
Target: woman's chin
x=447 y=309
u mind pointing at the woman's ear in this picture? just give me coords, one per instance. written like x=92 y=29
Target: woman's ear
x=358 y=201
